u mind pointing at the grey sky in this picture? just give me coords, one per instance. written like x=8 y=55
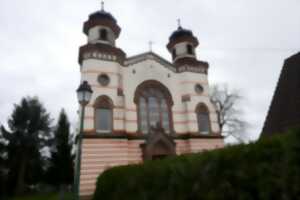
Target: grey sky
x=245 y=42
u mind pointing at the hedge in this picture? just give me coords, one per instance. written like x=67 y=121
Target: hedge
x=267 y=169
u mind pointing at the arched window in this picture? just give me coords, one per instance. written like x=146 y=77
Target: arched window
x=203 y=119
x=154 y=106
x=103 y=114
x=103 y=34
x=190 y=49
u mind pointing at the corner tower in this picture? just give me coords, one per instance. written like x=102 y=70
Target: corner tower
x=101 y=63
x=182 y=45
x=194 y=78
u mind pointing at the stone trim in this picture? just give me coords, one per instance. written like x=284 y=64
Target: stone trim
x=140 y=136
x=101 y=72
x=190 y=61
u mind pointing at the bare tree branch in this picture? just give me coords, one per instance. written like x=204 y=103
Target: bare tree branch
x=228 y=113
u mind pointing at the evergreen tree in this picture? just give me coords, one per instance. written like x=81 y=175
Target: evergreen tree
x=28 y=134
x=2 y=170
x=61 y=162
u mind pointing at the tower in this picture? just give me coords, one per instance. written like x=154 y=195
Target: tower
x=182 y=45
x=101 y=65
x=193 y=74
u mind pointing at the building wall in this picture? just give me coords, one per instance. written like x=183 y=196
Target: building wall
x=129 y=78
x=90 y=71
x=101 y=154
x=98 y=155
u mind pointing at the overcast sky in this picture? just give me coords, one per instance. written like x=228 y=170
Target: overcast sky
x=245 y=42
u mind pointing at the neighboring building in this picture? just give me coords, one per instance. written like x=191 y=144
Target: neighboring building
x=143 y=107
x=284 y=112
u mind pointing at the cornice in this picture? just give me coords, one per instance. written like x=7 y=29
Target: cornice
x=140 y=136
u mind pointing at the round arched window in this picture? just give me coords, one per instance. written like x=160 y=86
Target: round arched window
x=154 y=108
x=103 y=114
x=203 y=119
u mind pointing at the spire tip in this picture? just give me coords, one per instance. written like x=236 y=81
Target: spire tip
x=179 y=23
x=102 y=5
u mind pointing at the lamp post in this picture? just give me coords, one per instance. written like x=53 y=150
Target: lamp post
x=84 y=94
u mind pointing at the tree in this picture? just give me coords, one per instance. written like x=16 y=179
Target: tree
x=228 y=112
x=28 y=134
x=61 y=162
x=3 y=170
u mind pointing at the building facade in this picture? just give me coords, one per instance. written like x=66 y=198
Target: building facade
x=142 y=107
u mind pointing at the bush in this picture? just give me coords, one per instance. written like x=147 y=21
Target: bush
x=267 y=169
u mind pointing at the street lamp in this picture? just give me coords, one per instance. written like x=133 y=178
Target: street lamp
x=84 y=94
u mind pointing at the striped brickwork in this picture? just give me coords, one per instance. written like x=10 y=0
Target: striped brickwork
x=101 y=154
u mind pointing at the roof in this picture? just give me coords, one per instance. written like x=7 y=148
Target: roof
x=102 y=15
x=284 y=111
x=102 y=18
x=180 y=32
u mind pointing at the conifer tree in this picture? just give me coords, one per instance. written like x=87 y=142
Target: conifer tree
x=2 y=170
x=61 y=162
x=28 y=134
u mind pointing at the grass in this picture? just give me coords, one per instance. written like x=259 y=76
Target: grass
x=68 y=196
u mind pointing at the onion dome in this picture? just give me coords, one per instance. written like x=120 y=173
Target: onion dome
x=182 y=35
x=102 y=14
x=181 y=32
x=102 y=18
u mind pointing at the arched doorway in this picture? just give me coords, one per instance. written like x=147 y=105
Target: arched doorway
x=158 y=144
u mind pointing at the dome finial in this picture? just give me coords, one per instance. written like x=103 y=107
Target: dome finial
x=179 y=23
x=102 y=5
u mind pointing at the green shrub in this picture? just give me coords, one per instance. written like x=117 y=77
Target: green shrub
x=267 y=169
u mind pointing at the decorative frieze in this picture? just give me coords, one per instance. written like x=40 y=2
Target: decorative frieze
x=100 y=56
x=195 y=69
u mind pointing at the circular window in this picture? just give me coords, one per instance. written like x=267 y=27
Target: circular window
x=103 y=79
x=198 y=89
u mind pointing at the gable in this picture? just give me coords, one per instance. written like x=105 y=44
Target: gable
x=150 y=56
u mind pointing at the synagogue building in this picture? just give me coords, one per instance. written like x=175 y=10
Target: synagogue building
x=143 y=107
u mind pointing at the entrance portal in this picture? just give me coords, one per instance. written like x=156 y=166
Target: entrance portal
x=158 y=145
